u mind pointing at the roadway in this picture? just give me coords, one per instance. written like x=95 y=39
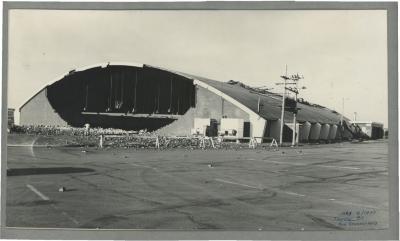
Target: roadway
x=341 y=186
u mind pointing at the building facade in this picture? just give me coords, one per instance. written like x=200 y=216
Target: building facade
x=136 y=96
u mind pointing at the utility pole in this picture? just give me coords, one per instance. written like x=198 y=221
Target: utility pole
x=293 y=81
x=295 y=90
x=294 y=118
x=285 y=78
x=341 y=116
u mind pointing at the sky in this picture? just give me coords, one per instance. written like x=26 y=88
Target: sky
x=342 y=54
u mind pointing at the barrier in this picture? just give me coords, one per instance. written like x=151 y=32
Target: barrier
x=204 y=141
x=253 y=143
x=273 y=143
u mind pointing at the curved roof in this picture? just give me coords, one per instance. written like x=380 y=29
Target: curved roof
x=271 y=109
x=272 y=104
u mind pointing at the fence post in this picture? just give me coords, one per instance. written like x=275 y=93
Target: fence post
x=202 y=143
x=157 y=143
x=101 y=141
x=212 y=142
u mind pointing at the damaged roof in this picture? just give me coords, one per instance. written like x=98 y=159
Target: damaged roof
x=271 y=103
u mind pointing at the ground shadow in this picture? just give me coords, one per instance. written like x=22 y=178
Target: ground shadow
x=46 y=170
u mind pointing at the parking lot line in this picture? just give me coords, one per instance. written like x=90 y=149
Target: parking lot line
x=45 y=198
x=235 y=183
x=41 y=195
x=349 y=168
x=299 y=195
x=317 y=165
x=67 y=215
x=295 y=194
x=260 y=188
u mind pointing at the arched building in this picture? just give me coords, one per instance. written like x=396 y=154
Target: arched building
x=136 y=96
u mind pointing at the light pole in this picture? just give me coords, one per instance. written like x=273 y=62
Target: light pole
x=342 y=116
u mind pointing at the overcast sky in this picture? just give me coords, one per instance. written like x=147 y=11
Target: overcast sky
x=342 y=54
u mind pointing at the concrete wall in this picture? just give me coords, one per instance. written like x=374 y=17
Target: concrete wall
x=38 y=111
x=210 y=105
x=180 y=127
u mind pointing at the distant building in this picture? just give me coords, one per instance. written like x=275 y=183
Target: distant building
x=138 y=96
x=11 y=117
x=374 y=130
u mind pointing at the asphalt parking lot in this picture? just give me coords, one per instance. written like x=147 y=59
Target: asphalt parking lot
x=341 y=186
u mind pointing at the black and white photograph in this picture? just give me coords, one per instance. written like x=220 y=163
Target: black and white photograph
x=197 y=120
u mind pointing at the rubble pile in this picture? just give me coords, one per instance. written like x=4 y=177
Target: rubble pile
x=167 y=142
x=135 y=141
x=149 y=141
x=117 y=138
x=74 y=131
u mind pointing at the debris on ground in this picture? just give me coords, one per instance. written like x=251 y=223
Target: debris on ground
x=62 y=189
x=118 y=138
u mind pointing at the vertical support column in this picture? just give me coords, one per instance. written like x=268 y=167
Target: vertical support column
x=304 y=131
x=315 y=132
x=332 y=132
x=324 y=132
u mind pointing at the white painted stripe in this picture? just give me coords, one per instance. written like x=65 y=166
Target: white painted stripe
x=299 y=195
x=350 y=168
x=68 y=216
x=29 y=145
x=310 y=164
x=272 y=189
x=285 y=163
x=41 y=195
x=295 y=194
x=138 y=165
x=235 y=183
